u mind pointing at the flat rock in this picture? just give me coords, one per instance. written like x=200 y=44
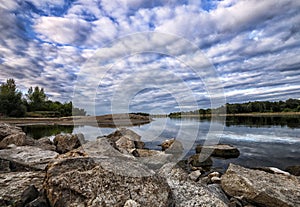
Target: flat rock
x=90 y=182
x=13 y=184
x=188 y=193
x=219 y=150
x=24 y=158
x=261 y=188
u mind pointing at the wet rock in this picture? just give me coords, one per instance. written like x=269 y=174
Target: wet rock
x=219 y=150
x=13 y=184
x=197 y=160
x=25 y=158
x=104 y=181
x=294 y=170
x=188 y=193
x=261 y=188
x=67 y=142
x=194 y=176
x=167 y=143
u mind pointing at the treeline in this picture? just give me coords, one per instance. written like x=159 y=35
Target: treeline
x=290 y=105
x=34 y=103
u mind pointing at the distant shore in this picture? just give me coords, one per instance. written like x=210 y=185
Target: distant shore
x=109 y=120
x=241 y=114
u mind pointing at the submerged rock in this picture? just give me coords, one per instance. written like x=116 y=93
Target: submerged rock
x=261 y=188
x=90 y=182
x=219 y=150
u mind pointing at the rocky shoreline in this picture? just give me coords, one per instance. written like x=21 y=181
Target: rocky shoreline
x=117 y=170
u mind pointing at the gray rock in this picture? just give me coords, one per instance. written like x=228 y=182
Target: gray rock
x=123 y=132
x=6 y=130
x=131 y=203
x=45 y=143
x=26 y=158
x=29 y=194
x=93 y=182
x=13 y=135
x=217 y=191
x=125 y=143
x=188 y=193
x=167 y=143
x=13 y=184
x=67 y=142
x=261 y=188
x=294 y=170
x=17 y=139
x=197 y=160
x=194 y=176
x=219 y=150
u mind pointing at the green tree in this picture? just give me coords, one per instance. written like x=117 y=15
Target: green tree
x=11 y=103
x=37 y=99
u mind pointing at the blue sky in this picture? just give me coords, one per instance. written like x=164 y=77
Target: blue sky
x=154 y=54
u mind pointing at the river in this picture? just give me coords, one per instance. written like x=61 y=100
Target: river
x=262 y=141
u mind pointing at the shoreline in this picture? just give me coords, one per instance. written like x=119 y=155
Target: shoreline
x=116 y=120
x=241 y=114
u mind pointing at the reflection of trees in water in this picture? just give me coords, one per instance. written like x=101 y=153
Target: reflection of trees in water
x=38 y=131
x=255 y=121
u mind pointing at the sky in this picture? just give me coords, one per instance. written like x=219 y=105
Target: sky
x=156 y=56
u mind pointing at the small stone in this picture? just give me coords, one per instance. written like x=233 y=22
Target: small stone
x=167 y=143
x=195 y=175
x=213 y=174
x=215 y=180
x=131 y=203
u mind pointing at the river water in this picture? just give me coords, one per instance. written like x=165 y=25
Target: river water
x=262 y=141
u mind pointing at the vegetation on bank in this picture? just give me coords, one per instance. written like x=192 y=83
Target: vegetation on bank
x=290 y=105
x=34 y=103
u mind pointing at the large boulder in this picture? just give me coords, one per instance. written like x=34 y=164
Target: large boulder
x=188 y=193
x=25 y=158
x=45 y=143
x=104 y=181
x=67 y=142
x=123 y=132
x=13 y=135
x=219 y=150
x=261 y=188
x=14 y=187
